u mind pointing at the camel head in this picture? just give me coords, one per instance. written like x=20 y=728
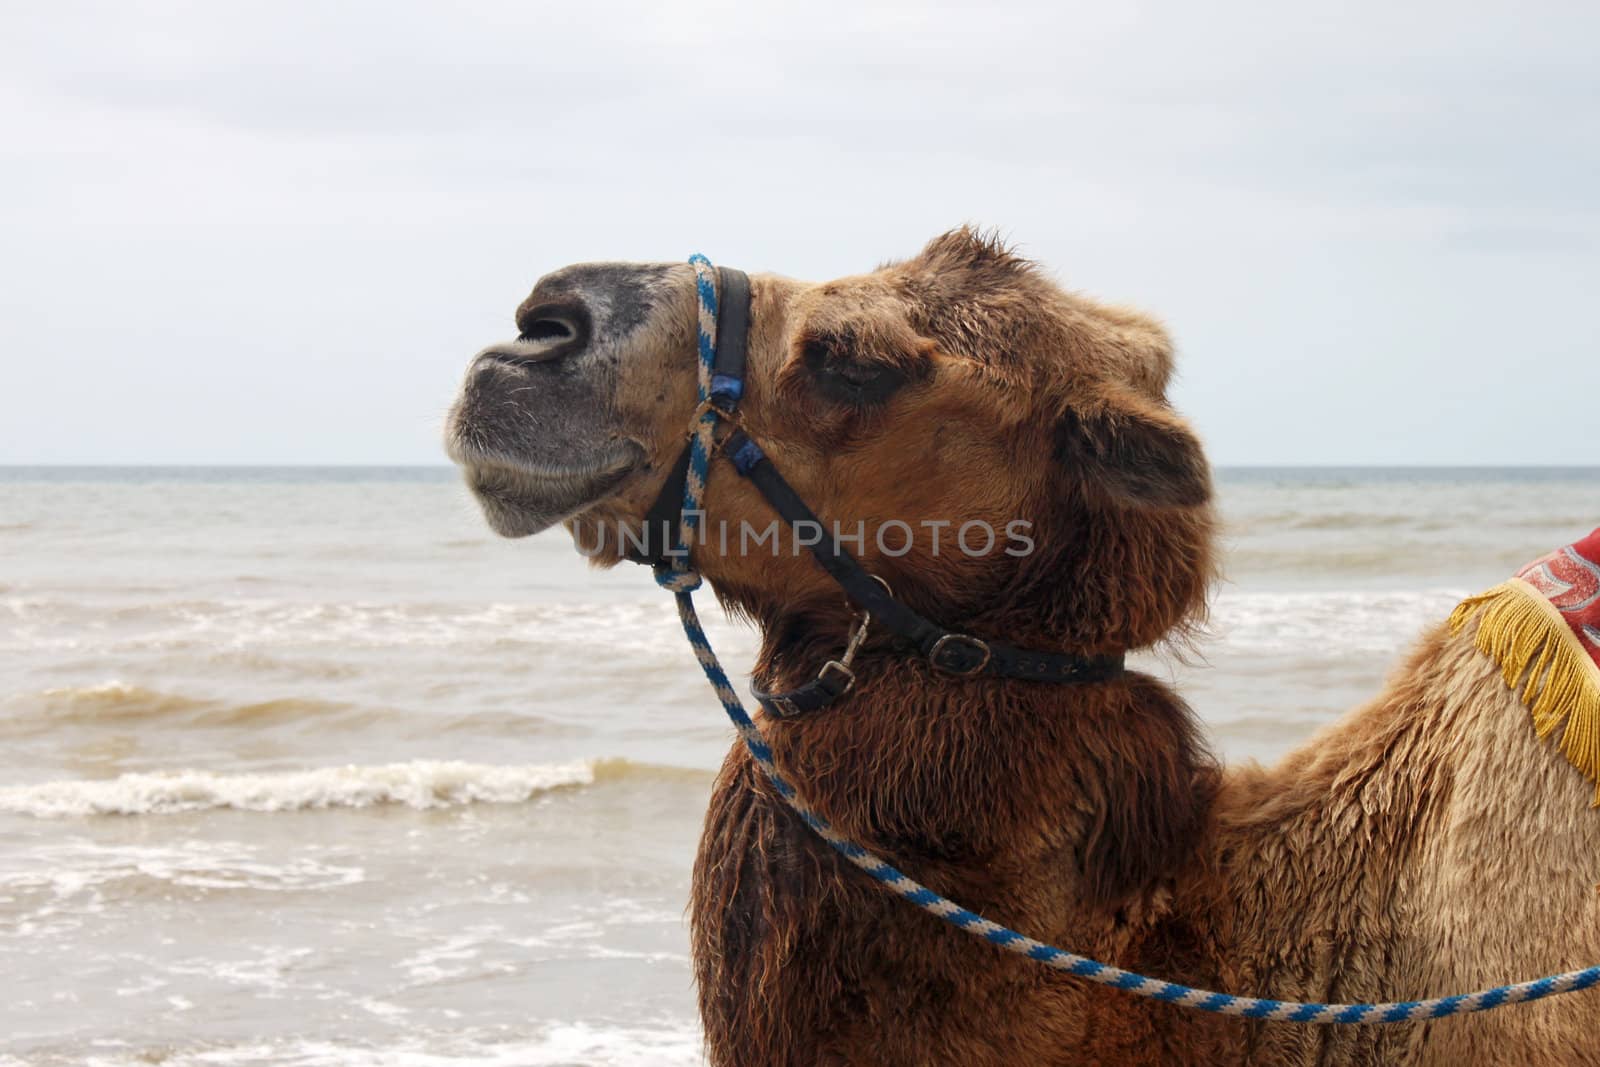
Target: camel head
x=960 y=390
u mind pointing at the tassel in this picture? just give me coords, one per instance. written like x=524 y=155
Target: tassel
x=1540 y=658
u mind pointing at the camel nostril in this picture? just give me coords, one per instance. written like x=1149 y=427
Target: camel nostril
x=548 y=330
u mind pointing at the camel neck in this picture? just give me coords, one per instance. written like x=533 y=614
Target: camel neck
x=1111 y=774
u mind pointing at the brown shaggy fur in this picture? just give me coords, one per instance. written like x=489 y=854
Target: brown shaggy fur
x=1427 y=844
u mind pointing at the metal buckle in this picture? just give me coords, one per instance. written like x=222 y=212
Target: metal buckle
x=834 y=666
x=857 y=636
x=957 y=641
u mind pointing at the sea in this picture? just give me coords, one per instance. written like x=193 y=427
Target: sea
x=306 y=768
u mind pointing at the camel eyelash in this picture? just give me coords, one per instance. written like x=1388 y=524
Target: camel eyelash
x=839 y=377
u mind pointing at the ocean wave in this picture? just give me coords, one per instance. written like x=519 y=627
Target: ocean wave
x=115 y=698
x=315 y=649
x=419 y=784
x=253 y=625
x=1459 y=526
x=336 y=642
x=1325 y=624
x=117 y=702
x=1299 y=519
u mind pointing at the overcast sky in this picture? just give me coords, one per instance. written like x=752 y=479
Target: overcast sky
x=275 y=232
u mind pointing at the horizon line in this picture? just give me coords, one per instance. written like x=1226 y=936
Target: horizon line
x=1320 y=465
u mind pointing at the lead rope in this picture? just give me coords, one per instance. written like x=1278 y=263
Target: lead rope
x=682 y=580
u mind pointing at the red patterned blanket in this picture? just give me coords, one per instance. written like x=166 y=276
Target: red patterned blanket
x=1543 y=629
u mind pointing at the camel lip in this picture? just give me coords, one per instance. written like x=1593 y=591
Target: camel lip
x=520 y=496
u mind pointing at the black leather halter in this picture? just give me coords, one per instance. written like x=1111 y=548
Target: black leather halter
x=958 y=654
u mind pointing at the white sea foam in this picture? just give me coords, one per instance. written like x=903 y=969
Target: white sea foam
x=77 y=624
x=1326 y=623
x=61 y=885
x=60 y=870
x=416 y=784
x=669 y=1043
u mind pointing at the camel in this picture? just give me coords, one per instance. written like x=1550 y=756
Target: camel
x=1427 y=843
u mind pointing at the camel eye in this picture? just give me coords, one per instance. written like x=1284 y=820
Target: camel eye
x=842 y=377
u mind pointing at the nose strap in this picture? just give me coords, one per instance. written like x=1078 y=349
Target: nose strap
x=662 y=521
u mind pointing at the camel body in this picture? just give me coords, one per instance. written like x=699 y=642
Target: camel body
x=1428 y=843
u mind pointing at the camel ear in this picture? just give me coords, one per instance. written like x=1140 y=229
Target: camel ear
x=1136 y=451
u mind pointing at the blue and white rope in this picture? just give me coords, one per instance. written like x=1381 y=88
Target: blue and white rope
x=681 y=578
x=682 y=581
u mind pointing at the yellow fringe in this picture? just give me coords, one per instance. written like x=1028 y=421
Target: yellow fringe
x=1540 y=657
